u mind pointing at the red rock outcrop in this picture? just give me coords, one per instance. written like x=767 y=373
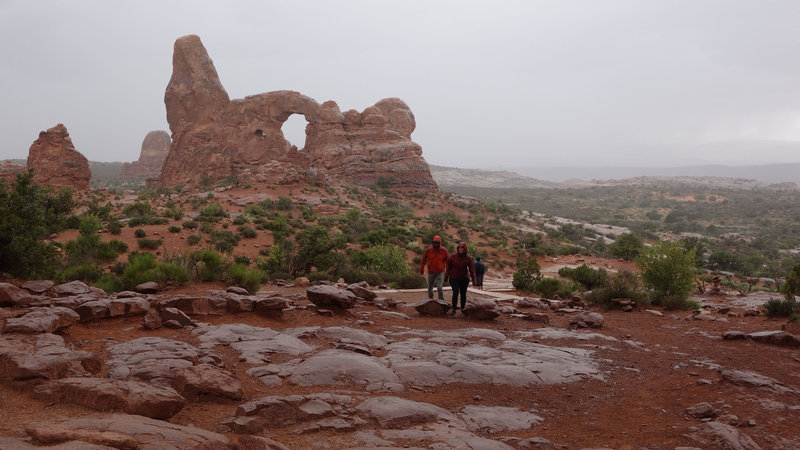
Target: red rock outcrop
x=9 y=171
x=56 y=163
x=215 y=137
x=155 y=148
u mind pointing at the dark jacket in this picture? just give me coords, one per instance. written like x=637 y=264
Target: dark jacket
x=460 y=267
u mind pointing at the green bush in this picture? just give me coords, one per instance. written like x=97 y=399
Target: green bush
x=548 y=287
x=527 y=274
x=623 y=284
x=781 y=307
x=627 y=247
x=239 y=259
x=174 y=229
x=412 y=281
x=209 y=265
x=247 y=232
x=248 y=279
x=149 y=244
x=239 y=220
x=667 y=271
x=320 y=276
x=28 y=214
x=84 y=272
x=588 y=278
x=382 y=258
x=190 y=225
x=193 y=239
x=114 y=227
x=139 y=233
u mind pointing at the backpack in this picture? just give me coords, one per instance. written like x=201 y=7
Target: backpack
x=480 y=268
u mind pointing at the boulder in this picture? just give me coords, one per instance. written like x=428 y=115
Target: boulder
x=780 y=338
x=734 y=335
x=432 y=307
x=125 y=432
x=482 y=309
x=587 y=319
x=395 y=412
x=362 y=291
x=271 y=306
x=331 y=297
x=25 y=357
x=701 y=410
x=38 y=286
x=76 y=288
x=94 y=310
x=529 y=302
x=11 y=295
x=207 y=381
x=197 y=305
x=101 y=394
x=42 y=320
x=56 y=162
x=176 y=315
x=149 y=287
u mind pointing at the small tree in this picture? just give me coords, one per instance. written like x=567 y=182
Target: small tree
x=627 y=246
x=668 y=272
x=792 y=285
x=527 y=275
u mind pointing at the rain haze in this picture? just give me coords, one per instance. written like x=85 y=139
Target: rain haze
x=492 y=84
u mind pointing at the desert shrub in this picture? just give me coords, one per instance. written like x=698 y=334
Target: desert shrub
x=149 y=244
x=781 y=307
x=114 y=227
x=89 y=225
x=283 y=203
x=247 y=232
x=239 y=220
x=412 y=281
x=280 y=258
x=667 y=271
x=623 y=284
x=317 y=275
x=527 y=274
x=139 y=213
x=588 y=278
x=317 y=248
x=190 y=225
x=248 y=279
x=791 y=286
x=139 y=233
x=174 y=229
x=109 y=283
x=213 y=212
x=239 y=259
x=159 y=221
x=382 y=258
x=209 y=265
x=549 y=287
x=28 y=214
x=193 y=239
x=627 y=247
x=84 y=272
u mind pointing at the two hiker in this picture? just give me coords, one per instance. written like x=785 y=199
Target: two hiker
x=458 y=269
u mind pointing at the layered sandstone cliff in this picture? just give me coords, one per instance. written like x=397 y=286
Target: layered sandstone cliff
x=155 y=148
x=215 y=137
x=56 y=162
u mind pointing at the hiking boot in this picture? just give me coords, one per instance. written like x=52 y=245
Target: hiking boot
x=453 y=312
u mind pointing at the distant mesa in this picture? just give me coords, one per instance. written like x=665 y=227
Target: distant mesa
x=155 y=148
x=215 y=137
x=56 y=162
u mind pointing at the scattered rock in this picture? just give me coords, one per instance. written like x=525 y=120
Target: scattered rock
x=150 y=287
x=207 y=381
x=482 y=309
x=11 y=295
x=432 y=307
x=701 y=411
x=734 y=335
x=42 y=320
x=587 y=319
x=331 y=297
x=780 y=338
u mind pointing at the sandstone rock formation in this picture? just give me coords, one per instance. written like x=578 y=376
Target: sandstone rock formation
x=215 y=137
x=56 y=162
x=155 y=148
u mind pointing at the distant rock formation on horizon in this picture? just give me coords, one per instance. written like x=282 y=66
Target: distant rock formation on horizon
x=155 y=148
x=56 y=162
x=215 y=137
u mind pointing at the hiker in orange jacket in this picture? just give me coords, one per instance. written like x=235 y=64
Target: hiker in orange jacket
x=436 y=259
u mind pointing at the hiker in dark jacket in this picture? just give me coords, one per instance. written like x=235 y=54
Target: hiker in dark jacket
x=460 y=270
x=480 y=269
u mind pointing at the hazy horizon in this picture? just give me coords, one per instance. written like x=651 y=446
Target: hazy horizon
x=664 y=83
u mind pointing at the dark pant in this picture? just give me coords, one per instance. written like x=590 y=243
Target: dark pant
x=459 y=287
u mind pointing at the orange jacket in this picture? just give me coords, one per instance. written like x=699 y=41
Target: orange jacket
x=436 y=259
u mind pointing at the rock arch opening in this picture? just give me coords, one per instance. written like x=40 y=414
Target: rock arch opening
x=294 y=130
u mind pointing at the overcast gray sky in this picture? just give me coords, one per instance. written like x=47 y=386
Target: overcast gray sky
x=492 y=83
